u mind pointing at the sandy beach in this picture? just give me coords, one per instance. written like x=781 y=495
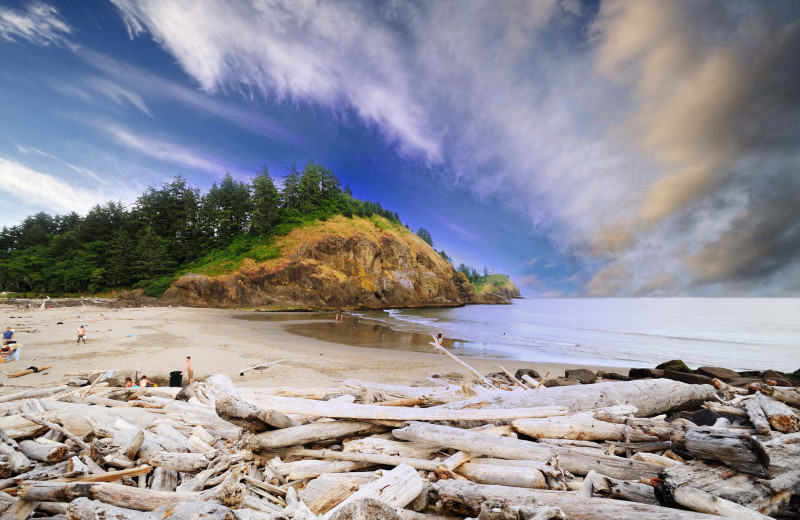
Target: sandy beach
x=156 y=340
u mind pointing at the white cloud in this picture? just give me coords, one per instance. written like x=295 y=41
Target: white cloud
x=38 y=23
x=116 y=93
x=163 y=150
x=79 y=169
x=630 y=136
x=44 y=191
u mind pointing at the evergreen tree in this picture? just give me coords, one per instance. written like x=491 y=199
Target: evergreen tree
x=425 y=235
x=228 y=208
x=152 y=257
x=291 y=188
x=266 y=203
x=309 y=191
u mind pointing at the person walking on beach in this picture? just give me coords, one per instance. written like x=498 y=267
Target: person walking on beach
x=82 y=334
x=188 y=369
x=8 y=336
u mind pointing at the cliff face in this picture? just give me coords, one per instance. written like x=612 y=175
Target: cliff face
x=341 y=263
x=499 y=285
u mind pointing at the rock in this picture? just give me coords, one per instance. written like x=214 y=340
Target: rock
x=692 y=379
x=778 y=377
x=567 y=381
x=644 y=373
x=187 y=392
x=612 y=376
x=582 y=375
x=743 y=382
x=676 y=364
x=550 y=383
x=724 y=374
x=749 y=373
x=528 y=372
x=366 y=509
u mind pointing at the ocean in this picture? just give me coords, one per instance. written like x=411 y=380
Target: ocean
x=737 y=333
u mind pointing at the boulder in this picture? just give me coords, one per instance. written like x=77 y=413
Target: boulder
x=692 y=379
x=676 y=364
x=724 y=374
x=582 y=375
x=743 y=382
x=706 y=417
x=644 y=373
x=779 y=378
x=528 y=372
x=612 y=376
x=567 y=381
x=749 y=373
x=499 y=377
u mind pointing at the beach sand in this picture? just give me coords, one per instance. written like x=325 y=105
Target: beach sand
x=156 y=340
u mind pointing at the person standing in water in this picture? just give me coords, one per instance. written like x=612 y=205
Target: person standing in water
x=81 y=334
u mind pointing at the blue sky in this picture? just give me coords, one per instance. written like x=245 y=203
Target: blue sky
x=607 y=148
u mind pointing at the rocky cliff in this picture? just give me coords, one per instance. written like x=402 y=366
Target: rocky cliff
x=499 y=286
x=339 y=263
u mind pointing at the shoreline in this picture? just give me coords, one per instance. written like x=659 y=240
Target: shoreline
x=155 y=340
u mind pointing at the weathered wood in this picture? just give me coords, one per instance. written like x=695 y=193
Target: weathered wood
x=623 y=489
x=17 y=461
x=303 y=469
x=382 y=446
x=516 y=476
x=372 y=458
x=291 y=405
x=333 y=497
x=571 y=459
x=83 y=508
x=788 y=395
x=703 y=502
x=164 y=479
x=306 y=433
x=34 y=392
x=109 y=493
x=736 y=450
x=757 y=418
x=655 y=459
x=395 y=489
x=250 y=416
x=20 y=510
x=780 y=416
x=184 y=462
x=649 y=396
x=459 y=497
x=129 y=441
x=44 y=452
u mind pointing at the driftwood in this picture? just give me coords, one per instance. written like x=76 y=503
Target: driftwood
x=757 y=418
x=780 y=416
x=738 y=451
x=306 y=433
x=251 y=417
x=396 y=489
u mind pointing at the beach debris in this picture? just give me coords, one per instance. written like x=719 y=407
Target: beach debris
x=622 y=449
x=260 y=366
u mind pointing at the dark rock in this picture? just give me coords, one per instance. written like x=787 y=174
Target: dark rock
x=706 y=417
x=644 y=373
x=528 y=372
x=499 y=377
x=550 y=383
x=742 y=382
x=612 y=376
x=582 y=375
x=749 y=373
x=724 y=374
x=187 y=392
x=676 y=365
x=692 y=379
x=771 y=374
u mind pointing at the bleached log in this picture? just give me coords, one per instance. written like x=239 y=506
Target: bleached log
x=736 y=450
x=298 y=435
x=542 y=467
x=251 y=417
x=396 y=488
x=319 y=485
x=371 y=458
x=623 y=489
x=194 y=511
x=780 y=416
x=571 y=459
x=290 y=405
x=164 y=479
x=197 y=445
x=382 y=446
x=34 y=392
x=20 y=510
x=303 y=469
x=655 y=459
x=767 y=496
x=129 y=441
x=109 y=493
x=183 y=462
x=757 y=418
x=333 y=497
x=649 y=396
x=516 y=476
x=169 y=432
x=702 y=502
x=16 y=460
x=44 y=452
x=453 y=461
x=786 y=394
x=118 y=460
x=464 y=498
x=86 y=509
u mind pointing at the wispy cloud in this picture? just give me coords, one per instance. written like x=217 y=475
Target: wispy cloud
x=38 y=23
x=79 y=169
x=45 y=191
x=165 y=151
x=645 y=138
x=116 y=93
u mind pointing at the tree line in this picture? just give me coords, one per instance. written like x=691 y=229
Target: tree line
x=167 y=228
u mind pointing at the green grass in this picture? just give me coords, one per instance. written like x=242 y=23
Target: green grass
x=494 y=282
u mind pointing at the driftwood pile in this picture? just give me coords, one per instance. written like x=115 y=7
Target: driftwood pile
x=374 y=451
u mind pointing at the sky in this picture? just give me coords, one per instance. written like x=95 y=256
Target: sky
x=588 y=149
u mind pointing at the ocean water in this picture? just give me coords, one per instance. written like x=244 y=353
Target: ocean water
x=738 y=333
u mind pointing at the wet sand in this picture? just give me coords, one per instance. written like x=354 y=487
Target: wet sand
x=316 y=349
